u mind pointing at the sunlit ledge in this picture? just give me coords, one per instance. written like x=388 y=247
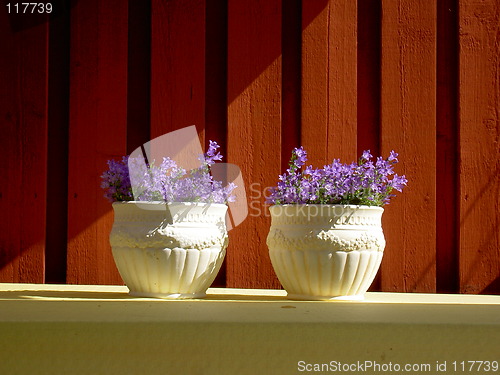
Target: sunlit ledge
x=48 y=329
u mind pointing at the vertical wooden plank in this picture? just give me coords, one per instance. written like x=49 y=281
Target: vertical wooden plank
x=479 y=101
x=342 y=86
x=57 y=155
x=177 y=66
x=314 y=105
x=10 y=143
x=447 y=158
x=408 y=125
x=254 y=130
x=329 y=93
x=23 y=120
x=98 y=123
x=32 y=80
x=291 y=41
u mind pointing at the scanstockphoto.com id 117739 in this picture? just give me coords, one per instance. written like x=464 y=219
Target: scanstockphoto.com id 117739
x=483 y=366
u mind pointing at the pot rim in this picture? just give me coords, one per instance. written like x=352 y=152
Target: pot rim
x=163 y=203
x=352 y=206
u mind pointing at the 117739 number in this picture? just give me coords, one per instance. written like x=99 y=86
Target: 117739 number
x=24 y=8
x=475 y=366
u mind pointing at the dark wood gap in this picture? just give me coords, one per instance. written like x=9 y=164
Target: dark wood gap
x=447 y=215
x=58 y=147
x=369 y=75
x=139 y=74
x=216 y=87
x=369 y=84
x=291 y=45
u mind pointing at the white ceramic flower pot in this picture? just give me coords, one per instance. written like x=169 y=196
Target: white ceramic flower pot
x=168 y=250
x=324 y=252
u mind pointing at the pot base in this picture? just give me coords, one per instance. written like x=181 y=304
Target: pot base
x=324 y=298
x=168 y=295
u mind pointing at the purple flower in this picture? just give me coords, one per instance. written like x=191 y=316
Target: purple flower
x=362 y=183
x=166 y=182
x=116 y=181
x=393 y=157
x=398 y=182
x=300 y=157
x=212 y=154
x=366 y=156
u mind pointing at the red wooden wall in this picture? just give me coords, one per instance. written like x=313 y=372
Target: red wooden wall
x=98 y=78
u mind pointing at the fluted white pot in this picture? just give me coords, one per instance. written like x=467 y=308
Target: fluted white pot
x=168 y=250
x=323 y=252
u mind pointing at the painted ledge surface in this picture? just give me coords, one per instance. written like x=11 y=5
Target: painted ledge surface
x=48 y=329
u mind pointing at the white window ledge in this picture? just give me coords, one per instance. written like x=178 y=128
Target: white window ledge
x=74 y=329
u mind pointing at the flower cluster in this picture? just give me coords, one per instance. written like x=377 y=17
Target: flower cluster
x=367 y=182
x=165 y=182
x=116 y=181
